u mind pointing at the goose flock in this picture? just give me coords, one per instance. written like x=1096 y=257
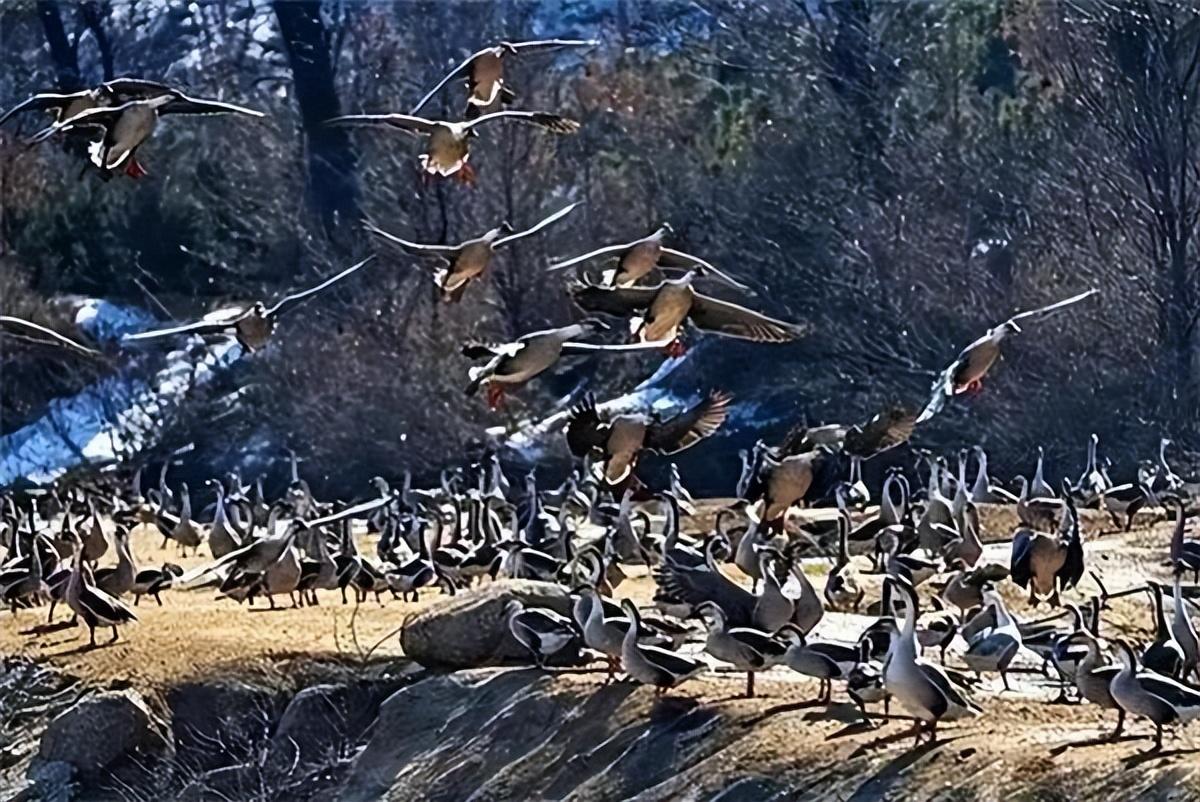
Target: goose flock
x=741 y=595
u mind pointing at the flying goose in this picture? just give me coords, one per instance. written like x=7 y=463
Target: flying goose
x=253 y=325
x=447 y=144
x=618 y=441
x=513 y=364
x=94 y=606
x=468 y=260
x=636 y=259
x=923 y=689
x=1151 y=695
x=65 y=105
x=965 y=374
x=127 y=126
x=25 y=330
x=544 y=633
x=484 y=71
x=746 y=649
x=652 y=665
x=1047 y=563
x=660 y=312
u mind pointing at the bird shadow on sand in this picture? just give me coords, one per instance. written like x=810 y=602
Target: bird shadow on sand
x=85 y=647
x=1101 y=741
x=902 y=735
x=879 y=784
x=1139 y=758
x=46 y=629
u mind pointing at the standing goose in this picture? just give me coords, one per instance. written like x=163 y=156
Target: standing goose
x=966 y=373
x=94 y=606
x=1038 y=512
x=153 y=581
x=660 y=313
x=221 y=536
x=447 y=144
x=843 y=590
x=1151 y=695
x=994 y=649
x=1184 y=553
x=1164 y=655
x=468 y=260
x=1047 y=563
x=128 y=125
x=487 y=88
x=1039 y=487
x=253 y=326
x=652 y=665
x=636 y=259
x=1184 y=632
x=604 y=634
x=119 y=580
x=983 y=491
x=184 y=530
x=746 y=649
x=511 y=365
x=821 y=660
x=618 y=441
x=923 y=689
x=1093 y=679
x=544 y=633
x=1093 y=481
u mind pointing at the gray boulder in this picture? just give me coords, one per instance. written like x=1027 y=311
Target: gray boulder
x=102 y=729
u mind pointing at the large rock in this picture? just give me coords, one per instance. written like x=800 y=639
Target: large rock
x=469 y=629
x=101 y=730
x=323 y=722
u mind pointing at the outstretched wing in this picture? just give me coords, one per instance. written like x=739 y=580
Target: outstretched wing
x=619 y=301
x=561 y=213
x=550 y=44
x=939 y=392
x=206 y=326
x=461 y=69
x=418 y=247
x=586 y=430
x=43 y=101
x=578 y=349
x=403 y=121
x=669 y=257
x=690 y=426
x=99 y=117
x=24 y=328
x=184 y=104
x=732 y=320
x=554 y=123
x=291 y=301
x=137 y=88
x=607 y=249
x=885 y=430
x=1054 y=307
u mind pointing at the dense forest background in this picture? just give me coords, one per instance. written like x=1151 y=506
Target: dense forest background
x=899 y=175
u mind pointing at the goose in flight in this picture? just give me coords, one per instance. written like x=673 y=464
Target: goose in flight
x=251 y=325
x=965 y=374
x=512 y=365
x=660 y=312
x=468 y=260
x=31 y=332
x=448 y=144
x=619 y=441
x=487 y=88
x=637 y=258
x=126 y=126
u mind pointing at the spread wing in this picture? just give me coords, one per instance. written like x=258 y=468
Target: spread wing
x=561 y=213
x=732 y=320
x=1054 y=307
x=669 y=257
x=554 y=123
x=939 y=392
x=403 y=121
x=42 y=101
x=550 y=44
x=418 y=247
x=802 y=438
x=461 y=69
x=184 y=104
x=25 y=328
x=577 y=349
x=100 y=117
x=212 y=324
x=619 y=301
x=690 y=426
x=292 y=300
x=607 y=249
x=887 y=429
x=586 y=430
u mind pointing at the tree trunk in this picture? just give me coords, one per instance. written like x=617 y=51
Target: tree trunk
x=66 y=64
x=332 y=182
x=93 y=18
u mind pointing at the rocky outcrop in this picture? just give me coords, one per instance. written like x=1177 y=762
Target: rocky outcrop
x=470 y=629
